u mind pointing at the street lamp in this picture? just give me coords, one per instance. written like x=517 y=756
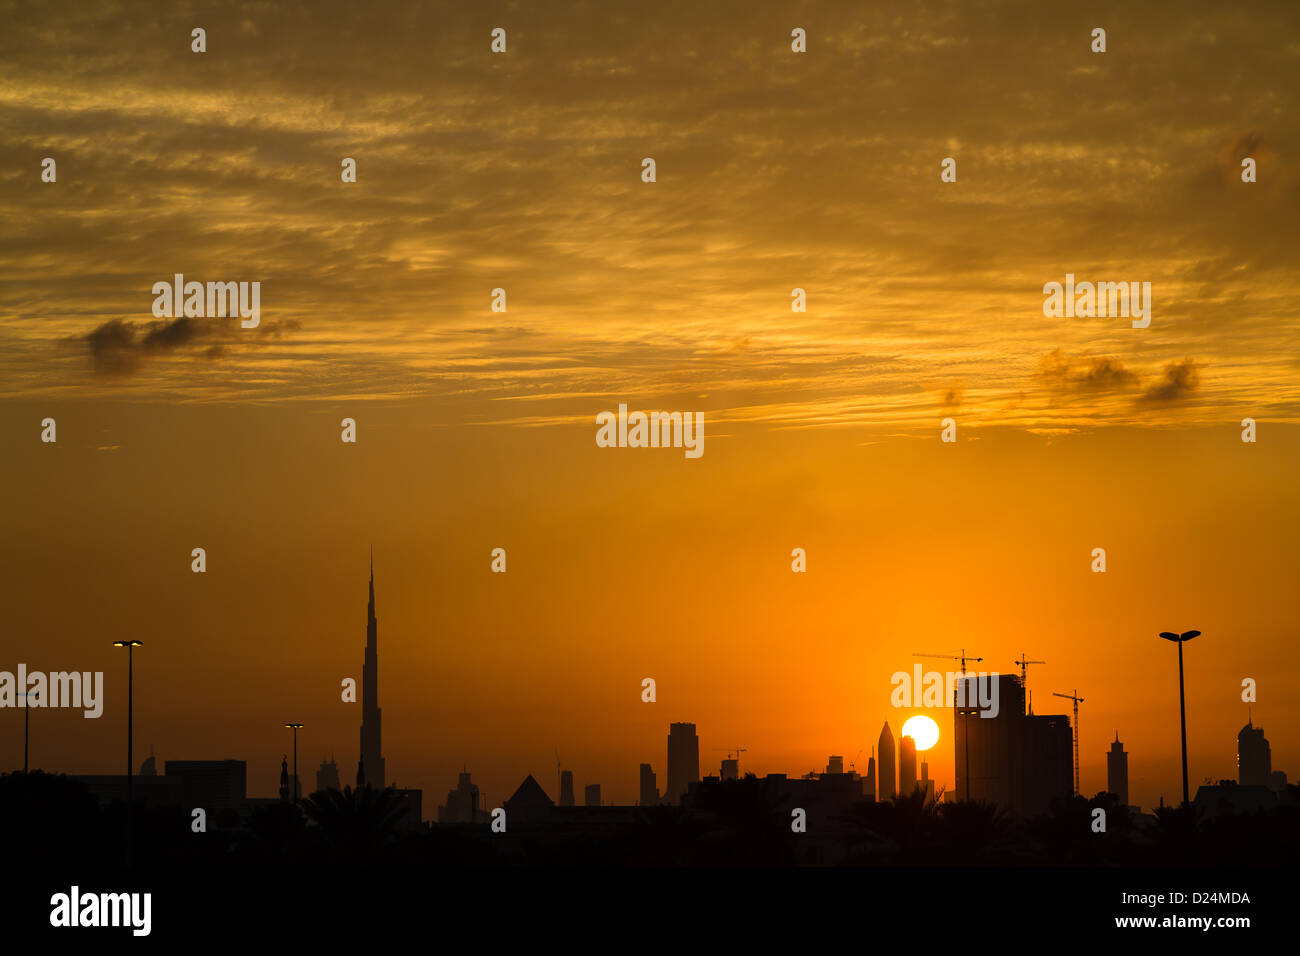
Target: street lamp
x=295 y=728
x=1181 y=639
x=130 y=726
x=27 y=723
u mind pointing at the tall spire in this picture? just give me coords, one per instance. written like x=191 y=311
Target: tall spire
x=372 y=760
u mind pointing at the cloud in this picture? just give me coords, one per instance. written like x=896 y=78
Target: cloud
x=1179 y=380
x=1095 y=374
x=227 y=165
x=119 y=347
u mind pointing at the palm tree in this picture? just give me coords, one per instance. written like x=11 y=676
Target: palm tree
x=357 y=820
x=977 y=831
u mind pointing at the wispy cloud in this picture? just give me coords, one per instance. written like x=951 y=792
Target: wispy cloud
x=522 y=171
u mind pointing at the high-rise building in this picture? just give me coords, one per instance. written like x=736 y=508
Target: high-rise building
x=1016 y=761
x=462 y=803
x=327 y=777
x=1048 y=764
x=1254 y=756
x=683 y=761
x=372 y=759
x=886 y=772
x=991 y=746
x=834 y=764
x=730 y=768
x=649 y=787
x=906 y=766
x=566 y=788
x=926 y=785
x=869 y=782
x=591 y=795
x=1117 y=771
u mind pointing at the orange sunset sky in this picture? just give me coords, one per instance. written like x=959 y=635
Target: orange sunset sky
x=476 y=429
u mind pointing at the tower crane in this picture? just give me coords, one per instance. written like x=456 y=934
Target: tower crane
x=965 y=734
x=1024 y=663
x=1074 y=696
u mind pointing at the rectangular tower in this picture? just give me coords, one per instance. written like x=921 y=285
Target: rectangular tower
x=683 y=761
x=1117 y=771
x=649 y=787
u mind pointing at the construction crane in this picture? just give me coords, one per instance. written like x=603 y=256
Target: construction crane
x=853 y=764
x=737 y=751
x=965 y=735
x=1024 y=663
x=733 y=753
x=559 y=773
x=953 y=657
x=1077 y=701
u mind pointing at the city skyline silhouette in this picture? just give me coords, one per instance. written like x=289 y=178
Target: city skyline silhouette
x=1016 y=767
x=570 y=468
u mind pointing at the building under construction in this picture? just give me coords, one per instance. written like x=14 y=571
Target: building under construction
x=1019 y=761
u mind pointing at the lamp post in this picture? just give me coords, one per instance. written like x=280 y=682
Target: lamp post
x=1180 y=640
x=130 y=727
x=27 y=723
x=295 y=728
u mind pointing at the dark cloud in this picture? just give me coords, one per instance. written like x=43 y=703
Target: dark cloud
x=1095 y=374
x=1179 y=380
x=118 y=347
x=113 y=348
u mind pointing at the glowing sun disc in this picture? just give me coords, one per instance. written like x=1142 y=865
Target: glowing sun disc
x=923 y=730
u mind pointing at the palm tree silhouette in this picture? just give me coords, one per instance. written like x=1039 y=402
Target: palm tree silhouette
x=356 y=820
x=977 y=832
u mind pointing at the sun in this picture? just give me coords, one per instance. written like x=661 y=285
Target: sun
x=923 y=730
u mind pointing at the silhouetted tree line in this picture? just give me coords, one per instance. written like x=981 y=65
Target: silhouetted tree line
x=734 y=823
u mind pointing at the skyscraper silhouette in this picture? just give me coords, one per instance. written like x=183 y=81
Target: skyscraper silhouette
x=462 y=803
x=906 y=766
x=886 y=778
x=991 y=747
x=566 y=788
x=926 y=785
x=649 y=787
x=372 y=760
x=1017 y=761
x=683 y=761
x=327 y=777
x=869 y=782
x=1254 y=756
x=1117 y=771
